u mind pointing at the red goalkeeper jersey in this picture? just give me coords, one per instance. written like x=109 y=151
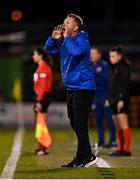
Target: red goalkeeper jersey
x=42 y=80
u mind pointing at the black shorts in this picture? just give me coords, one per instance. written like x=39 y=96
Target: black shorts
x=116 y=111
x=44 y=103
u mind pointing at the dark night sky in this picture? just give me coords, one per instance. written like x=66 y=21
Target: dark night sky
x=88 y=9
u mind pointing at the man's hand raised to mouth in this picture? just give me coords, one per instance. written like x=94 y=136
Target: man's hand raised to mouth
x=57 y=32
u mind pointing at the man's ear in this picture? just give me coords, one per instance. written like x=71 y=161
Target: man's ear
x=76 y=28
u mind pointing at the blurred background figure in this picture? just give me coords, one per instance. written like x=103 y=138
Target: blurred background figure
x=42 y=90
x=118 y=99
x=102 y=111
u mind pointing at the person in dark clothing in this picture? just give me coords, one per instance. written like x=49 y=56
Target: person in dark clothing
x=100 y=110
x=73 y=46
x=118 y=99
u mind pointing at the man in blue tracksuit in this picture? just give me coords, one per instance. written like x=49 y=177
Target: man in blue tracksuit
x=100 y=109
x=77 y=73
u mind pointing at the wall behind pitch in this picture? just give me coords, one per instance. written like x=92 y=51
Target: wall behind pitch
x=10 y=70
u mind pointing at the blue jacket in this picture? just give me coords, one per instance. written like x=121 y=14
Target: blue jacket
x=76 y=68
x=102 y=74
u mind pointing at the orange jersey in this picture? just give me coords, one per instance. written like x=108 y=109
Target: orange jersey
x=42 y=80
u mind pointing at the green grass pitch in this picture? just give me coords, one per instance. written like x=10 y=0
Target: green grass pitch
x=62 y=150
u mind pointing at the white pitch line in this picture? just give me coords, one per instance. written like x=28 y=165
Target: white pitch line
x=10 y=166
x=102 y=163
x=11 y=163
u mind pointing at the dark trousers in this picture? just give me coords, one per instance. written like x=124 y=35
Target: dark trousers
x=78 y=105
x=102 y=113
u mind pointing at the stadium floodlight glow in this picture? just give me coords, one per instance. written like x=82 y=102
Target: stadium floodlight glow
x=16 y=15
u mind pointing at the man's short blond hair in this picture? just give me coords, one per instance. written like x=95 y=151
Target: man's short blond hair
x=77 y=19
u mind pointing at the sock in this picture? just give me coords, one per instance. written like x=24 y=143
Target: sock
x=41 y=147
x=127 y=139
x=120 y=139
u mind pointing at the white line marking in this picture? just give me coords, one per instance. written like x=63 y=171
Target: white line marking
x=102 y=163
x=10 y=166
x=11 y=163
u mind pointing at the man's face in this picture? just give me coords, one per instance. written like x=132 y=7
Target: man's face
x=114 y=57
x=94 y=55
x=70 y=26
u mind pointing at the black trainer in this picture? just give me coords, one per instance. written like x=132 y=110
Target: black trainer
x=85 y=163
x=116 y=153
x=126 y=153
x=70 y=164
x=89 y=162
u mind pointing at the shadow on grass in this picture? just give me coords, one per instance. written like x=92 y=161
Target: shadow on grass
x=49 y=170
x=51 y=173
